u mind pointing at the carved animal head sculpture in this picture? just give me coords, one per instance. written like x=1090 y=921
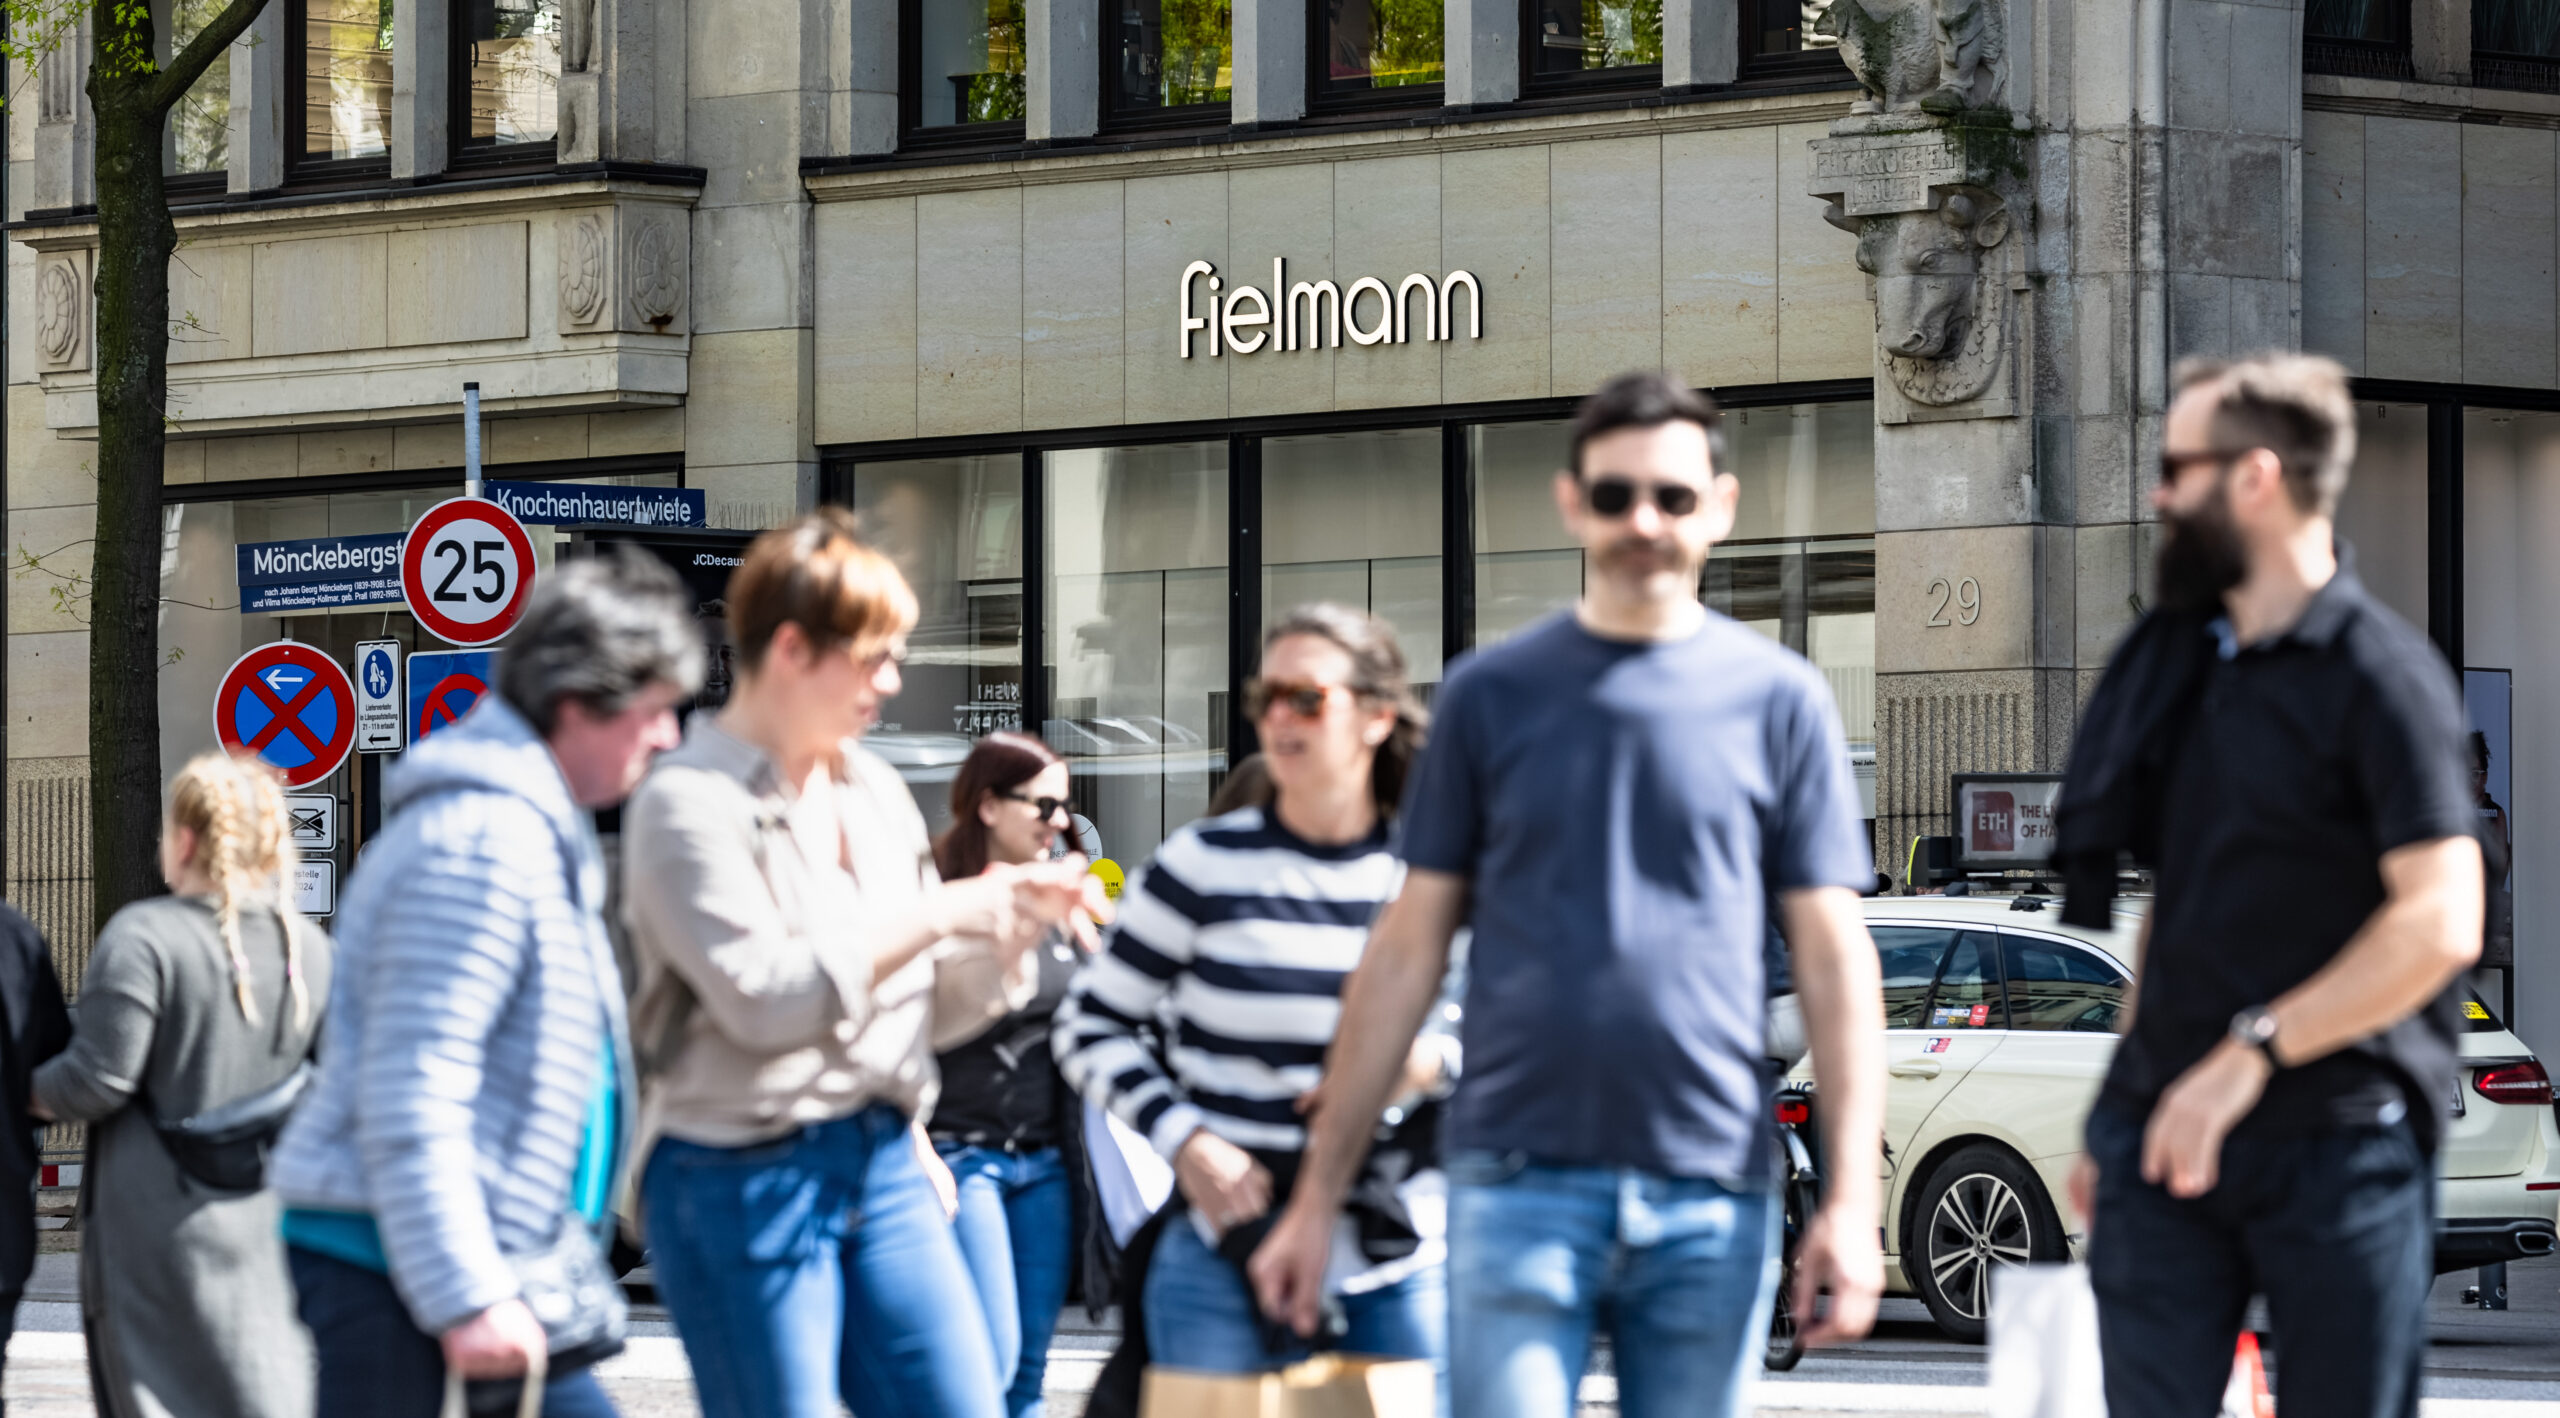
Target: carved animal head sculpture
x=1926 y=265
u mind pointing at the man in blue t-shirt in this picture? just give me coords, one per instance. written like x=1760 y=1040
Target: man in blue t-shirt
x=1612 y=800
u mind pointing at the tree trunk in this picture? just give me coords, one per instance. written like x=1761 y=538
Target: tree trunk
x=135 y=240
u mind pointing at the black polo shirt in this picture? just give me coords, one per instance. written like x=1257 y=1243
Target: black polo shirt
x=2308 y=757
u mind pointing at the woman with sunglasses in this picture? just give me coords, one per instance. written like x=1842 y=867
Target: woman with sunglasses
x=1004 y=1127
x=1242 y=929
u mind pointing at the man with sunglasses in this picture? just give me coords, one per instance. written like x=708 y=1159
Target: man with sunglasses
x=2289 y=756
x=1612 y=800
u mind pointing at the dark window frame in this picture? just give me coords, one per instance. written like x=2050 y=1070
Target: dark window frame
x=461 y=149
x=1801 y=64
x=2508 y=69
x=300 y=168
x=913 y=132
x=1111 y=118
x=1575 y=83
x=1324 y=98
x=2362 y=58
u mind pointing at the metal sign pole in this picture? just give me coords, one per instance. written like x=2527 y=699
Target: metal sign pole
x=471 y=439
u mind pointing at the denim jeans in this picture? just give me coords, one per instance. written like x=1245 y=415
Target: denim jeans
x=816 y=1267
x=374 y=1360
x=1200 y=1315
x=2336 y=1228
x=1681 y=1270
x=1014 y=1227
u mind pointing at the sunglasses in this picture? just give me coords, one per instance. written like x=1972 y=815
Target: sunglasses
x=2172 y=464
x=1615 y=496
x=1048 y=808
x=1304 y=699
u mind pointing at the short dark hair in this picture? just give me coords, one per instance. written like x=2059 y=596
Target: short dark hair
x=600 y=631
x=1646 y=399
x=2295 y=406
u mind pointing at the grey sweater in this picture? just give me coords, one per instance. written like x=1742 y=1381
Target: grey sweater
x=477 y=999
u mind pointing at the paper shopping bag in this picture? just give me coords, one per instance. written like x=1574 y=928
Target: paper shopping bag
x=1327 y=1386
x=2044 y=1343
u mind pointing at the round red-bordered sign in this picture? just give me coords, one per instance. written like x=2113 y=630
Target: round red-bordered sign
x=467 y=570
x=290 y=706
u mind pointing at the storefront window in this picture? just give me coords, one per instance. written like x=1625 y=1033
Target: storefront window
x=2383 y=514
x=1371 y=45
x=346 y=79
x=968 y=61
x=1771 y=28
x=1135 y=635
x=1355 y=518
x=954 y=526
x=200 y=122
x=1579 y=36
x=1526 y=566
x=510 y=51
x=1169 y=54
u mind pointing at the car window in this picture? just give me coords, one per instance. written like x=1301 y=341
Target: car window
x=1968 y=994
x=2062 y=987
x=1910 y=956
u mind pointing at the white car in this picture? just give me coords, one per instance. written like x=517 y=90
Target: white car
x=2000 y=1021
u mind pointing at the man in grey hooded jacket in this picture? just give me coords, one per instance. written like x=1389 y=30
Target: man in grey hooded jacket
x=475 y=1080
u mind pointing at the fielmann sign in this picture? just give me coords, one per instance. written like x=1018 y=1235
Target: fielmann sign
x=1307 y=315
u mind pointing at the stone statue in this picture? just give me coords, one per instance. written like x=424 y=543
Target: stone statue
x=1929 y=55
x=1928 y=266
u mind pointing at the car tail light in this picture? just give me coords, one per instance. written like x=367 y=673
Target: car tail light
x=1796 y=1112
x=2513 y=1083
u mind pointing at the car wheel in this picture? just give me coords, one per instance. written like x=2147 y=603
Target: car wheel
x=1981 y=1209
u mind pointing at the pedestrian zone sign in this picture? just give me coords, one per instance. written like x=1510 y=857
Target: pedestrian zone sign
x=444 y=684
x=379 y=723
x=291 y=707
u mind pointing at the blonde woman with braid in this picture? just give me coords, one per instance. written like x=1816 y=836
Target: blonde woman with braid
x=204 y=999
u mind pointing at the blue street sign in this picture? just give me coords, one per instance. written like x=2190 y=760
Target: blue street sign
x=444 y=684
x=320 y=572
x=557 y=503
x=377 y=672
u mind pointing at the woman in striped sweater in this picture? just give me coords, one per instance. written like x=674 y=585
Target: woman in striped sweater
x=1235 y=940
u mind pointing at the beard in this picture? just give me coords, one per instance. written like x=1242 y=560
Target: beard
x=2202 y=556
x=1639 y=556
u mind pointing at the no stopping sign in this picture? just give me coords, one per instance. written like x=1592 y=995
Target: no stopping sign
x=466 y=570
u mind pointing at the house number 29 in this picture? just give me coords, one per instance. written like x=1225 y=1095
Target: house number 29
x=1965 y=595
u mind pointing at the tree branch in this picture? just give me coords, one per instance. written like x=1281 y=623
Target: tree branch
x=189 y=64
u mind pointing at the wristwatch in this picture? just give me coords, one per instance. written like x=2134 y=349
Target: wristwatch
x=2255 y=1028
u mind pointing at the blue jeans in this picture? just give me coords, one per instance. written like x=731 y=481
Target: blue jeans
x=2336 y=1227
x=1681 y=1270
x=1200 y=1315
x=374 y=1360
x=818 y=1267
x=1014 y=1227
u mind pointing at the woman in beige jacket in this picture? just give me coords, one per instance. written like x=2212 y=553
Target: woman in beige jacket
x=799 y=965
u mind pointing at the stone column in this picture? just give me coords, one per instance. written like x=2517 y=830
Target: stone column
x=1270 y=62
x=873 y=119
x=421 y=96
x=257 y=105
x=1063 y=84
x=66 y=148
x=1701 y=42
x=1483 y=52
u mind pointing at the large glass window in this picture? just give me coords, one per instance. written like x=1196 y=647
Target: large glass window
x=2365 y=37
x=1135 y=634
x=507 y=52
x=1570 y=37
x=954 y=526
x=2515 y=44
x=200 y=122
x=1526 y=566
x=1781 y=35
x=2383 y=514
x=1380 y=47
x=1166 y=54
x=1355 y=518
x=967 y=65
x=345 y=61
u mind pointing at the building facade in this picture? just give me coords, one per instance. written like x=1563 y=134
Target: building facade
x=1127 y=324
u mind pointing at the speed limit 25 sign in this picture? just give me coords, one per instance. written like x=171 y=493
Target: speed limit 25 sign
x=467 y=570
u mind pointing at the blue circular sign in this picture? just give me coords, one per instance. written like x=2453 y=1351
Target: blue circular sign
x=377 y=674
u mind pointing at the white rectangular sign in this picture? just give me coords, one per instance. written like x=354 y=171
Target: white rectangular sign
x=315 y=887
x=380 y=727
x=311 y=820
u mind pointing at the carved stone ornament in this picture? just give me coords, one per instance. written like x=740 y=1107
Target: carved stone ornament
x=585 y=277
x=1932 y=56
x=62 y=313
x=657 y=271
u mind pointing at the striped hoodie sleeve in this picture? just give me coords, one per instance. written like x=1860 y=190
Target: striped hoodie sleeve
x=1100 y=1034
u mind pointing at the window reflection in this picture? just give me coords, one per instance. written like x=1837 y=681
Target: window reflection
x=346 y=79
x=1355 y=518
x=200 y=121
x=970 y=62
x=2058 y=987
x=1526 y=565
x=1381 y=44
x=514 y=67
x=1787 y=27
x=954 y=527
x=1170 y=53
x=1571 y=36
x=1135 y=635
x=2378 y=20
